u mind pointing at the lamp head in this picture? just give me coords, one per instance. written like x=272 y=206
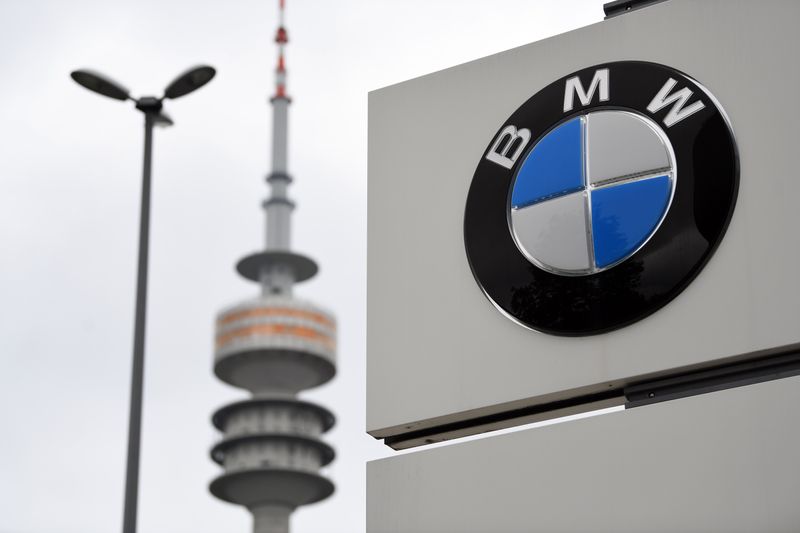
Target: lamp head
x=99 y=83
x=189 y=81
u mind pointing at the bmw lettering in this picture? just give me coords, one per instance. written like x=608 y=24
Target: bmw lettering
x=601 y=198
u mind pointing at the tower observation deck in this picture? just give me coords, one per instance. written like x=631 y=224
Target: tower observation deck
x=274 y=346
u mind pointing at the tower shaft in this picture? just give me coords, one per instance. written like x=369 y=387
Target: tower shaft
x=271 y=519
x=278 y=206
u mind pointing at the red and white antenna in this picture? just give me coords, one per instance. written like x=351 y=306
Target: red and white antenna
x=282 y=38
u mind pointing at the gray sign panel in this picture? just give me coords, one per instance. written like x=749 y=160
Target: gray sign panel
x=440 y=352
x=719 y=462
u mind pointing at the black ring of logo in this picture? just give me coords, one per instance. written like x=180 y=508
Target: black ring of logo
x=702 y=206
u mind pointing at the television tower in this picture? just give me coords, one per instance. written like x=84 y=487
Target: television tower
x=274 y=346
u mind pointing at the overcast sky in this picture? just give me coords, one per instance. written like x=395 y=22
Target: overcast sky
x=70 y=165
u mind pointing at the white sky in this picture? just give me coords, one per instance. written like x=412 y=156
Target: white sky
x=70 y=164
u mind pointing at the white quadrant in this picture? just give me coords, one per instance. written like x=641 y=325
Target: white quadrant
x=620 y=143
x=554 y=233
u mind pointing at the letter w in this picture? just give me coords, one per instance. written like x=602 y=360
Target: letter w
x=677 y=112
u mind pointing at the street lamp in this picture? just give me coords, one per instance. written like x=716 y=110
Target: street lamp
x=151 y=106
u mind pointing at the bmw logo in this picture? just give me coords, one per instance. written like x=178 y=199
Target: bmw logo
x=601 y=198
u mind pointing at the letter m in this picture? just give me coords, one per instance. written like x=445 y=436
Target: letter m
x=575 y=87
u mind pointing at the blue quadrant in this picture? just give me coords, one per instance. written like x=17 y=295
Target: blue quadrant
x=554 y=166
x=624 y=216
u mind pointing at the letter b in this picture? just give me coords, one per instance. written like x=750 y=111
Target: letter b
x=499 y=152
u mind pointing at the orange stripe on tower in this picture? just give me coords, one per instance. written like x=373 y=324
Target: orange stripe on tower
x=276 y=311
x=276 y=329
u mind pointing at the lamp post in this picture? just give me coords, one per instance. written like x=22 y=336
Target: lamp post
x=151 y=106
